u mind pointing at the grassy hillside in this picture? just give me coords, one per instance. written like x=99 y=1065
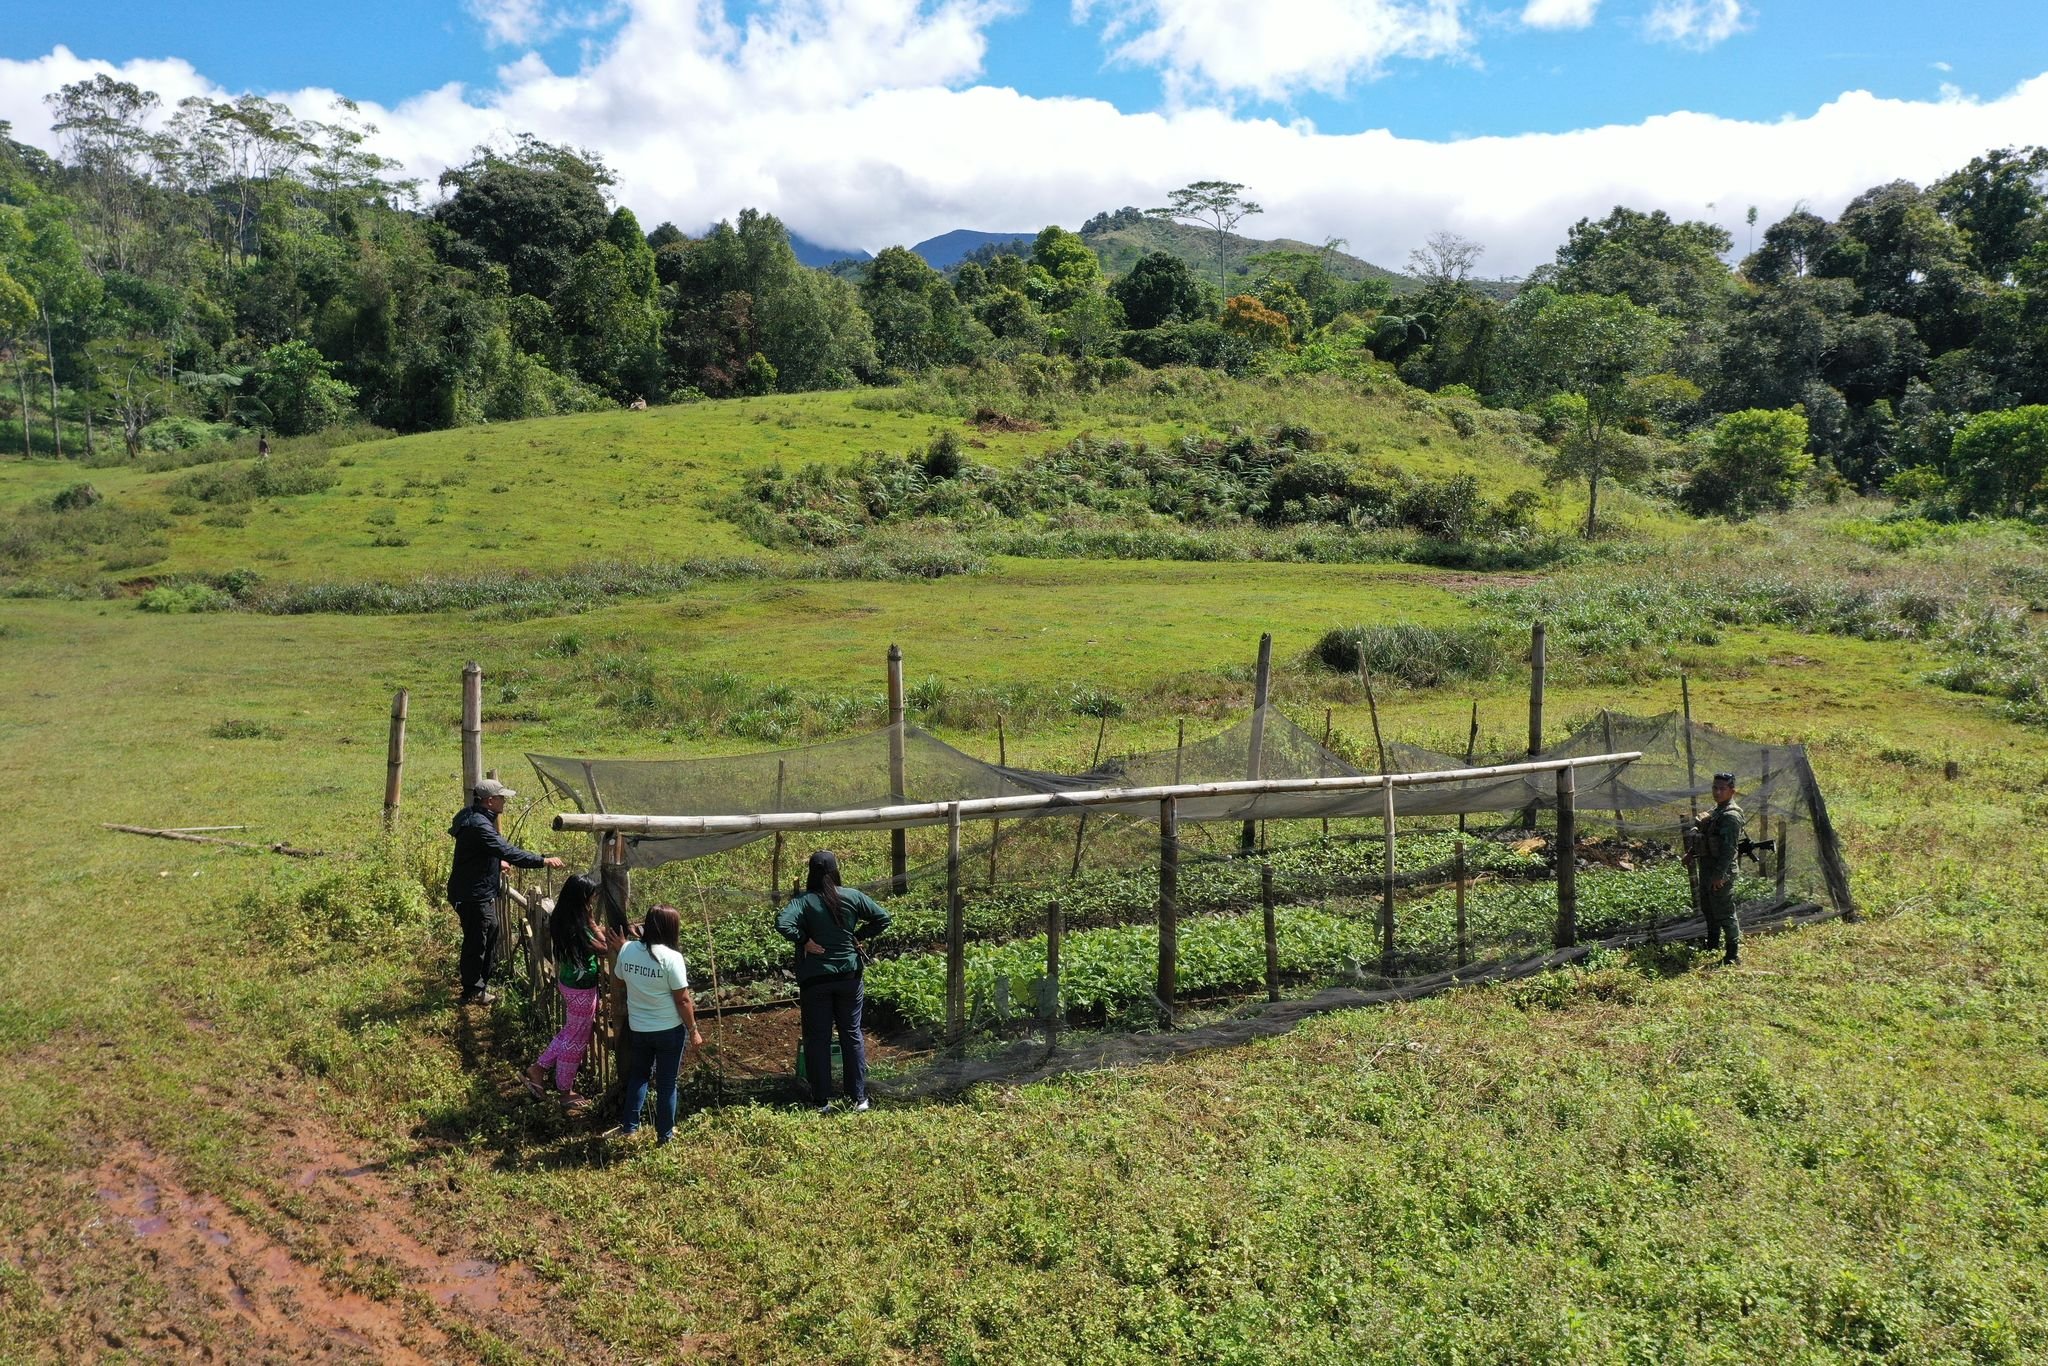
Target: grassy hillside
x=547 y=494
x=244 y=1118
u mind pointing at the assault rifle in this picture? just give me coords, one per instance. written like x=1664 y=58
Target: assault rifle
x=1746 y=848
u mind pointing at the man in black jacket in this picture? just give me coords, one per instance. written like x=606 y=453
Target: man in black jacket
x=476 y=881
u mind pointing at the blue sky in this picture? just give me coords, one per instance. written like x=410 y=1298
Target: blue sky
x=1792 y=57
x=864 y=121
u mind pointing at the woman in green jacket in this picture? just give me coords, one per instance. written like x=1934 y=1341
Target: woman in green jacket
x=826 y=924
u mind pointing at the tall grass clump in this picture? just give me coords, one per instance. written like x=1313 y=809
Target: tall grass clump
x=1419 y=656
x=504 y=594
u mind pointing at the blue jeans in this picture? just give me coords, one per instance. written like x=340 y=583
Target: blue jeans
x=828 y=1002
x=659 y=1053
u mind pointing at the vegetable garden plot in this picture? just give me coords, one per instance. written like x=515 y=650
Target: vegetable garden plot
x=1120 y=903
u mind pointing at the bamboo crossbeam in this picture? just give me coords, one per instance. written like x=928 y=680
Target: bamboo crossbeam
x=984 y=808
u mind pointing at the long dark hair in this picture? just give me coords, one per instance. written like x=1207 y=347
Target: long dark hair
x=662 y=926
x=822 y=880
x=569 y=924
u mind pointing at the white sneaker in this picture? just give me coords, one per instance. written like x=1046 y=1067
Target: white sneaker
x=860 y=1106
x=826 y=1108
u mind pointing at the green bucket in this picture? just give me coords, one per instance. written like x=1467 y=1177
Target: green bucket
x=803 y=1068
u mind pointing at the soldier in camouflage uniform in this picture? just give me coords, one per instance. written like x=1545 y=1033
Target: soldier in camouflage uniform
x=1720 y=840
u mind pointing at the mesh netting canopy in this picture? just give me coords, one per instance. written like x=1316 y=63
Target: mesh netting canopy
x=1654 y=792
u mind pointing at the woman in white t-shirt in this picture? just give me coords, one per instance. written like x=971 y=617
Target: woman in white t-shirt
x=651 y=988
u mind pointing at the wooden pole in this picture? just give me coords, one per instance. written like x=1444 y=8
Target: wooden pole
x=1169 y=906
x=1322 y=761
x=1692 y=776
x=472 y=729
x=1387 y=880
x=1537 y=663
x=1783 y=833
x=1458 y=871
x=394 y=759
x=1272 y=933
x=986 y=808
x=182 y=837
x=1262 y=691
x=1081 y=825
x=1372 y=705
x=956 y=935
x=899 y=849
x=1567 y=858
x=1471 y=748
x=995 y=829
x=1180 y=744
x=775 y=859
x=1614 y=783
x=615 y=880
x=1055 y=931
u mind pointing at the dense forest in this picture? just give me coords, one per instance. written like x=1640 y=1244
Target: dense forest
x=173 y=276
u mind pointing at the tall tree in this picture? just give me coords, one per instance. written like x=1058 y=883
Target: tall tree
x=1218 y=205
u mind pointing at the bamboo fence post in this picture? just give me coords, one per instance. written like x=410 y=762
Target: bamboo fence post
x=1538 y=632
x=1387 y=887
x=394 y=759
x=472 y=728
x=1567 y=858
x=1180 y=744
x=1169 y=906
x=1471 y=748
x=1372 y=705
x=1255 y=764
x=1055 y=932
x=1081 y=825
x=1692 y=776
x=899 y=849
x=1272 y=934
x=1783 y=834
x=775 y=859
x=1613 y=783
x=995 y=829
x=956 y=934
x=1458 y=871
x=1322 y=761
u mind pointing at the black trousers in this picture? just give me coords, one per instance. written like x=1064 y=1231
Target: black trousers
x=479 y=943
x=834 y=1001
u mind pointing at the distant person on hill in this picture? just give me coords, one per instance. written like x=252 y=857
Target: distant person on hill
x=1720 y=845
x=826 y=924
x=262 y=446
x=579 y=943
x=476 y=880
x=651 y=985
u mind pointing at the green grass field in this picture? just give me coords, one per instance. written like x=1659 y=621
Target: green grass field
x=219 y=1137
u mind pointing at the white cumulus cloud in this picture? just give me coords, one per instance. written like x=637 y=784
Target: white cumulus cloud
x=1560 y=13
x=1697 y=23
x=860 y=123
x=1272 y=47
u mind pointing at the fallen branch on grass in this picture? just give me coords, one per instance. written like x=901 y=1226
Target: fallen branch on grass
x=279 y=848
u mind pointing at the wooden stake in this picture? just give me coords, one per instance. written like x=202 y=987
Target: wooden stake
x=1081 y=825
x=1692 y=776
x=1458 y=872
x=899 y=849
x=1567 y=858
x=1169 y=907
x=1262 y=691
x=1055 y=931
x=1783 y=834
x=1614 y=783
x=1322 y=759
x=1272 y=934
x=956 y=935
x=1372 y=705
x=1537 y=633
x=1180 y=744
x=287 y=850
x=1471 y=748
x=394 y=759
x=775 y=859
x=1387 y=880
x=995 y=829
x=472 y=729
